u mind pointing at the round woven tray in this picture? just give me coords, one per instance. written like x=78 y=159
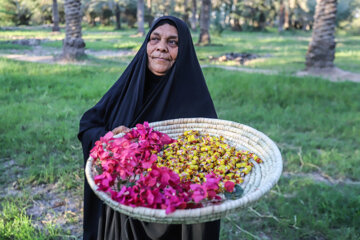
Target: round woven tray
x=260 y=180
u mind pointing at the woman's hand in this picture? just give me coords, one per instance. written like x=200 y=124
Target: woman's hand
x=120 y=129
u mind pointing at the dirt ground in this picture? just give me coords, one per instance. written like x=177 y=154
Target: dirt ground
x=333 y=74
x=51 y=56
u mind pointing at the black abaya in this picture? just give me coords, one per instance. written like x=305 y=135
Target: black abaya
x=136 y=97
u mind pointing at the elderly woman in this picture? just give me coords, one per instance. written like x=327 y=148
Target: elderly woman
x=163 y=81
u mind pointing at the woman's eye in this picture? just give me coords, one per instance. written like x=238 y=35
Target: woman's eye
x=154 y=40
x=173 y=43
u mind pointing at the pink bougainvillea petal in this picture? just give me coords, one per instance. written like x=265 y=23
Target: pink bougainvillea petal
x=229 y=186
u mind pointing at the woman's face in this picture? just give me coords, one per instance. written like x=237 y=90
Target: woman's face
x=162 y=49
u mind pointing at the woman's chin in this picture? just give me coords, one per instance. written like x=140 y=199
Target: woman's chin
x=160 y=70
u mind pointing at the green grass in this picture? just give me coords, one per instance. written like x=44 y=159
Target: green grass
x=299 y=209
x=16 y=224
x=314 y=116
x=316 y=124
x=4 y=45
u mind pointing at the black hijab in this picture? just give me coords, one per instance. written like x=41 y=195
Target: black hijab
x=181 y=93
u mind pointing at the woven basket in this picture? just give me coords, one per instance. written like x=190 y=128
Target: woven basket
x=260 y=180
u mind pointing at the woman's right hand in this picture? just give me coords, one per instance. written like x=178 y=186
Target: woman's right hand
x=120 y=129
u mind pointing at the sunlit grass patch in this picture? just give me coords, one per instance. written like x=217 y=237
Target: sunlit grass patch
x=5 y=45
x=299 y=208
x=16 y=224
x=314 y=116
x=28 y=33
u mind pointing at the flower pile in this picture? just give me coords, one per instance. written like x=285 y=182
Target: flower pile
x=193 y=156
x=142 y=168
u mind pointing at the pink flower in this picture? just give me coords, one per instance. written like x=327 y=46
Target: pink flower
x=130 y=156
x=229 y=186
x=108 y=136
x=104 y=181
x=165 y=139
x=199 y=192
x=148 y=162
x=212 y=181
x=149 y=181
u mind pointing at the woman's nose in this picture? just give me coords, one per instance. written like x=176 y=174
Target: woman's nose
x=161 y=46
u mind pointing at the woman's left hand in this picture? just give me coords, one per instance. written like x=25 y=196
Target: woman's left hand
x=120 y=129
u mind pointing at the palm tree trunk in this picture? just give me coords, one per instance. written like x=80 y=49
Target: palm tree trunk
x=236 y=21
x=151 y=17
x=186 y=12
x=281 y=16
x=193 y=15
x=117 y=16
x=73 y=45
x=321 y=51
x=205 y=13
x=140 y=17
x=172 y=7
x=55 y=13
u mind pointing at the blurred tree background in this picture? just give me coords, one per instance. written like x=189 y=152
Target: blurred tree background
x=238 y=15
x=256 y=50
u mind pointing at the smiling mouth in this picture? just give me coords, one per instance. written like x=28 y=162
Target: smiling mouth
x=161 y=59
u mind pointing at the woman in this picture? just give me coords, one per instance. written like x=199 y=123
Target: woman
x=163 y=81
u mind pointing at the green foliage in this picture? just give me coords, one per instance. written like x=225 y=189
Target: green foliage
x=28 y=12
x=15 y=12
x=314 y=122
x=245 y=15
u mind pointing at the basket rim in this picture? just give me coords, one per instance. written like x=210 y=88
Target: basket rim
x=207 y=213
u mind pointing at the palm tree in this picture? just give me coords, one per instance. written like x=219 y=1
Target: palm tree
x=117 y=16
x=140 y=17
x=193 y=15
x=73 y=44
x=321 y=51
x=205 y=13
x=185 y=16
x=281 y=16
x=236 y=13
x=55 y=16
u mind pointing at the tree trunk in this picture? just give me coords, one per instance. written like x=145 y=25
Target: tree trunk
x=117 y=16
x=140 y=17
x=204 y=38
x=186 y=12
x=172 y=7
x=235 y=26
x=193 y=15
x=151 y=17
x=73 y=45
x=321 y=51
x=55 y=13
x=281 y=17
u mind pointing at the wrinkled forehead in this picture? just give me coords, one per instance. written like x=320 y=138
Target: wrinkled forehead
x=165 y=31
x=163 y=22
x=159 y=24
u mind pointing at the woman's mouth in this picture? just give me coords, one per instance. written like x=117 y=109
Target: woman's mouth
x=161 y=59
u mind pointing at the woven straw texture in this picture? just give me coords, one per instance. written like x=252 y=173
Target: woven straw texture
x=260 y=180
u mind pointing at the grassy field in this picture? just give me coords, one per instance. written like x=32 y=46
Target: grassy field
x=316 y=124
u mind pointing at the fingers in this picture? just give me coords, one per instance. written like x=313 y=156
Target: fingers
x=120 y=129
